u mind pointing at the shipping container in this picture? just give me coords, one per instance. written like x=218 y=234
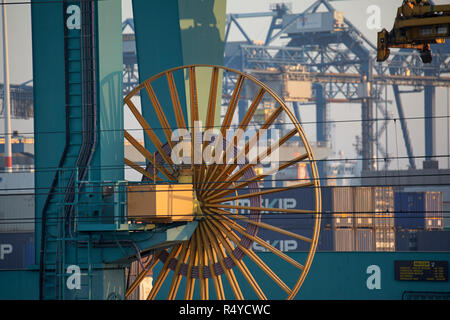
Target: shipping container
x=384 y=207
x=446 y=215
x=16 y=250
x=364 y=207
x=423 y=240
x=445 y=191
x=344 y=239
x=418 y=210
x=384 y=239
x=313 y=22
x=17 y=213
x=342 y=207
x=364 y=239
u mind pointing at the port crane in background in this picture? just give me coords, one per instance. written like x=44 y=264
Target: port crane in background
x=418 y=24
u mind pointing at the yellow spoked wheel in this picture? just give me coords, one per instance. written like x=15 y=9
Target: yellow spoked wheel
x=234 y=164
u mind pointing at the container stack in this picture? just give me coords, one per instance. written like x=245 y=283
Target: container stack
x=342 y=218
x=384 y=226
x=363 y=218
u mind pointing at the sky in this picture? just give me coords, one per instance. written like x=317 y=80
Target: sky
x=343 y=134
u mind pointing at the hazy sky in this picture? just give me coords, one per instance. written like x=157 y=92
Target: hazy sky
x=19 y=27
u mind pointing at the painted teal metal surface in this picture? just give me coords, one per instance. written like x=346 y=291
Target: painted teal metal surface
x=19 y=284
x=333 y=276
x=174 y=33
x=109 y=156
x=108 y=281
x=159 y=47
x=49 y=99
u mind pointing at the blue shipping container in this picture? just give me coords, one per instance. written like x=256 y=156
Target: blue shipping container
x=16 y=250
x=413 y=209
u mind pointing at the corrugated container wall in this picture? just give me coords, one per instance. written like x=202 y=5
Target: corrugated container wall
x=342 y=207
x=384 y=207
x=344 y=239
x=17 y=213
x=434 y=215
x=364 y=239
x=364 y=207
x=424 y=240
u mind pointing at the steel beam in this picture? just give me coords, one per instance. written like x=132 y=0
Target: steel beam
x=401 y=115
x=430 y=129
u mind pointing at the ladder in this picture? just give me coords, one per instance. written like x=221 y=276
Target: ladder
x=58 y=213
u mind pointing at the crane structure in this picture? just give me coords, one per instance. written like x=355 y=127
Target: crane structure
x=336 y=56
x=190 y=221
x=418 y=24
x=21 y=100
x=183 y=218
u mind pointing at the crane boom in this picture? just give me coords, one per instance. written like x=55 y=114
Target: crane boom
x=418 y=24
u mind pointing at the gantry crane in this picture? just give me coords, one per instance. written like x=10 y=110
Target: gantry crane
x=418 y=24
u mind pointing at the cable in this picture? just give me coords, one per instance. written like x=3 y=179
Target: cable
x=252 y=124
x=163 y=164
x=45 y=2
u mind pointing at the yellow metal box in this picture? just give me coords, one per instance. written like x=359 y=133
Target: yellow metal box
x=160 y=203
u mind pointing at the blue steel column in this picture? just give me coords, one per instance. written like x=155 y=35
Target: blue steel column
x=430 y=111
x=367 y=117
x=401 y=115
x=321 y=128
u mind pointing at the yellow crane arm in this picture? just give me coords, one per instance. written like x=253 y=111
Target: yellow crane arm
x=417 y=25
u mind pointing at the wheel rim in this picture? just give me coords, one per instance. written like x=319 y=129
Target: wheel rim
x=224 y=237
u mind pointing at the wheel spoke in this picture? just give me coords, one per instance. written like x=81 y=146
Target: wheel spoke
x=260 y=193
x=232 y=224
x=258 y=177
x=233 y=164
x=239 y=263
x=201 y=263
x=150 y=133
x=257 y=260
x=194 y=117
x=243 y=126
x=147 y=155
x=190 y=280
x=237 y=175
x=159 y=113
x=141 y=170
x=229 y=206
x=229 y=115
x=177 y=276
x=232 y=105
x=222 y=255
x=212 y=260
x=163 y=273
x=179 y=117
x=267 y=226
